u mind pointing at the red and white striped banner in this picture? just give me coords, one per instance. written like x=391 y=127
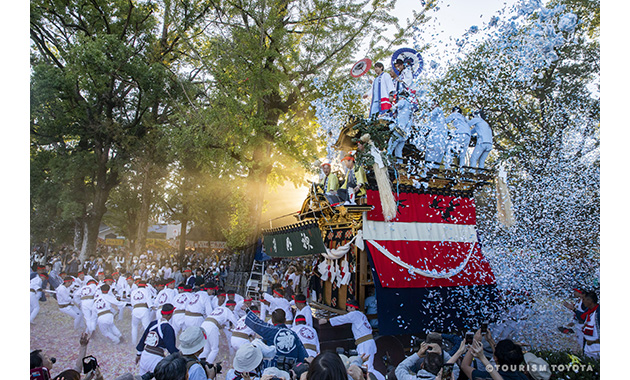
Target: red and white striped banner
x=432 y=242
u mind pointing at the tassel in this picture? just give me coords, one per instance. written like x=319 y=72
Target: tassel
x=504 y=203
x=388 y=202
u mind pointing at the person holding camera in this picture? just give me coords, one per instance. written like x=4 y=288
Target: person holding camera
x=247 y=363
x=172 y=367
x=191 y=343
x=430 y=361
x=506 y=353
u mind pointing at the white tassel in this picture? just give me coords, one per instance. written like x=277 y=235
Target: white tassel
x=388 y=202
x=504 y=203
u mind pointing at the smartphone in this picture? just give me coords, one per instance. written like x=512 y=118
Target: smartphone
x=469 y=337
x=447 y=371
x=484 y=327
x=89 y=363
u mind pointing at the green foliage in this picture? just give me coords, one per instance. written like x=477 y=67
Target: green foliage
x=584 y=368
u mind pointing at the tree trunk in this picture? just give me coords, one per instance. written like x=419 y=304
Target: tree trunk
x=145 y=208
x=182 y=235
x=106 y=179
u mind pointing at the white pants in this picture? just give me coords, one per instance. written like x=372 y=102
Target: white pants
x=591 y=351
x=75 y=313
x=436 y=146
x=369 y=348
x=140 y=315
x=479 y=155
x=211 y=349
x=458 y=148
x=34 y=304
x=147 y=362
x=236 y=342
x=177 y=321
x=108 y=328
x=89 y=314
x=190 y=321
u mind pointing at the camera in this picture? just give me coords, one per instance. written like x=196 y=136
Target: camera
x=89 y=363
x=285 y=363
x=147 y=376
x=217 y=366
x=447 y=371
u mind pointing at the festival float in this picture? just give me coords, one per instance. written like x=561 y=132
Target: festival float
x=412 y=239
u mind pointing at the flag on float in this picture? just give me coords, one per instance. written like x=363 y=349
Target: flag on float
x=432 y=242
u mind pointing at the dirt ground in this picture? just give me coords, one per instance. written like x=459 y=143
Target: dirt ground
x=53 y=332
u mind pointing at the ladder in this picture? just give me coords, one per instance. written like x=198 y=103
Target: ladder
x=255 y=280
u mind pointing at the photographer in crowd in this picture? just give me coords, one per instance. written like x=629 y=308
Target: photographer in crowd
x=507 y=355
x=430 y=361
x=191 y=344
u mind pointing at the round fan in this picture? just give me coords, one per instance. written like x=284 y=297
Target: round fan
x=410 y=56
x=361 y=67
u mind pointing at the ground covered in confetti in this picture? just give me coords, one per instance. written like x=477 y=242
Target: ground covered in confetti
x=53 y=332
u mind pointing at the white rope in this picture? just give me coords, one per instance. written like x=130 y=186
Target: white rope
x=341 y=251
x=412 y=270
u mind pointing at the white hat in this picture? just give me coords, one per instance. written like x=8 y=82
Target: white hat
x=268 y=352
x=192 y=340
x=275 y=372
x=537 y=367
x=247 y=358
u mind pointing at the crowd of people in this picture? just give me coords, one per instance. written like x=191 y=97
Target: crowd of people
x=182 y=313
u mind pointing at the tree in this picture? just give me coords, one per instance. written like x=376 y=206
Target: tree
x=260 y=60
x=101 y=80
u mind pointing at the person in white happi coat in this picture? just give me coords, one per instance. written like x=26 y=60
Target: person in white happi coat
x=277 y=301
x=303 y=309
x=483 y=146
x=381 y=88
x=436 y=139
x=220 y=299
x=75 y=292
x=307 y=335
x=459 y=145
x=66 y=303
x=241 y=333
x=105 y=314
x=195 y=308
x=140 y=315
x=220 y=317
x=241 y=307
x=88 y=291
x=232 y=295
x=401 y=128
x=125 y=285
x=590 y=329
x=179 y=315
x=362 y=332
x=36 y=293
x=211 y=290
x=166 y=295
x=404 y=80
